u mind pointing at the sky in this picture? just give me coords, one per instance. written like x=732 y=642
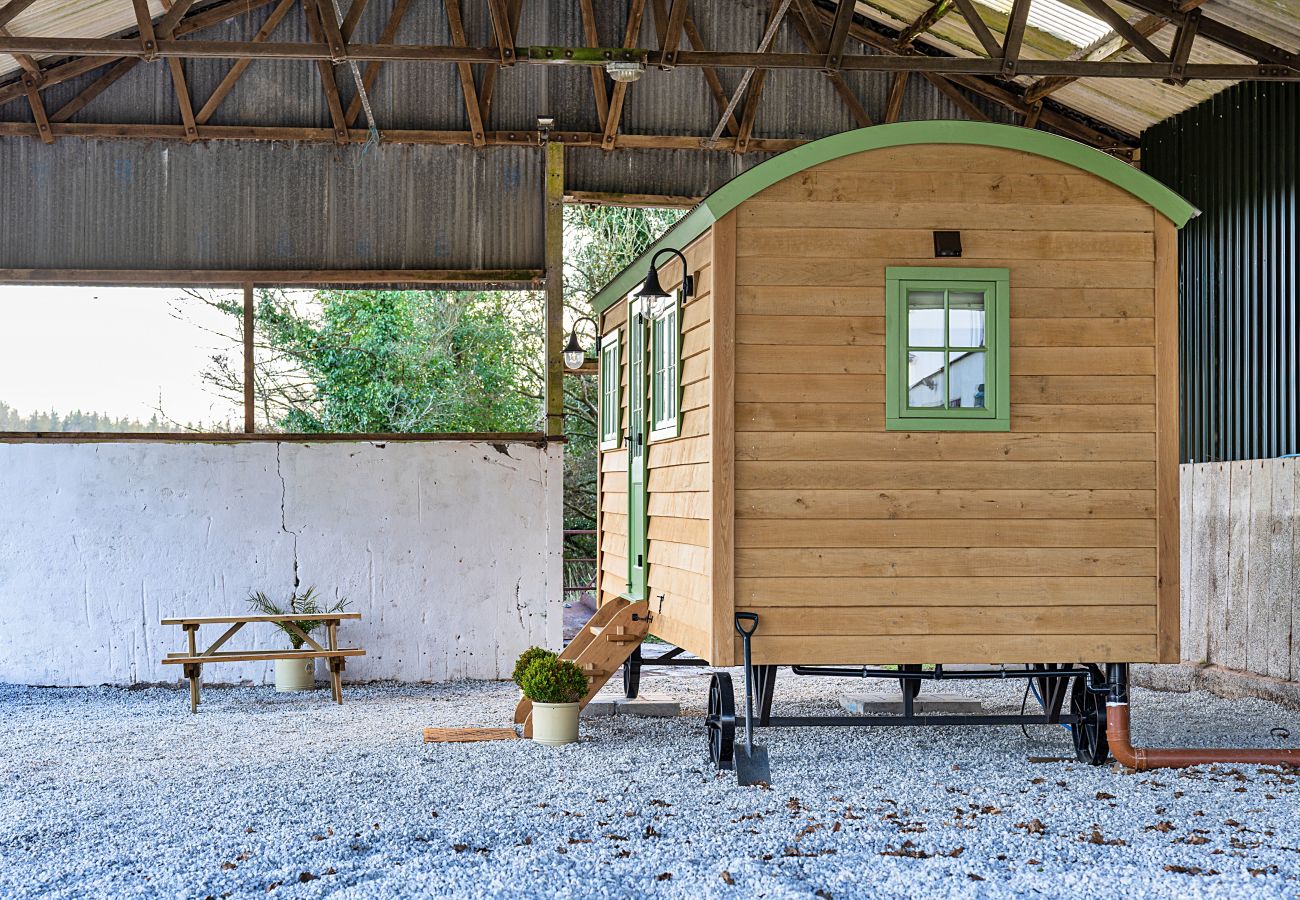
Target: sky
x=111 y=350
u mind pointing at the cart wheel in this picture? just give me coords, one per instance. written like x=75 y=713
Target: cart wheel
x=1089 y=733
x=912 y=685
x=721 y=721
x=632 y=675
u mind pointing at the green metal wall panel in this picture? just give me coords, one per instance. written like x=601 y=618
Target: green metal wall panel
x=1235 y=156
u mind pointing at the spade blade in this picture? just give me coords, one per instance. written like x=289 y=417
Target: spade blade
x=751 y=765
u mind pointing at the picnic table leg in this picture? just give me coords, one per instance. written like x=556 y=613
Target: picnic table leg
x=192 y=670
x=336 y=662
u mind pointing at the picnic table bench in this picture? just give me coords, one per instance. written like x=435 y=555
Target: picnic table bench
x=192 y=659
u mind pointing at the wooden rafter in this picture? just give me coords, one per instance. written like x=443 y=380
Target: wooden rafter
x=981 y=31
x=503 y=29
x=635 y=8
x=592 y=36
x=673 y=32
x=32 y=84
x=839 y=34
x=327 y=13
x=177 y=68
x=924 y=22
x=1014 y=36
x=1034 y=114
x=754 y=94
x=241 y=65
x=11 y=10
x=353 y=18
x=815 y=36
x=317 y=11
x=693 y=35
x=144 y=21
x=1182 y=47
x=894 y=104
x=468 y=89
x=487 y=89
x=371 y=73
x=1121 y=26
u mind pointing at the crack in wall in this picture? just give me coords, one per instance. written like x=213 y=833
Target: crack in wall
x=284 y=522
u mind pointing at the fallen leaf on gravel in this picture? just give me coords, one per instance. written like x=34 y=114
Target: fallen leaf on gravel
x=305 y=877
x=1037 y=780
x=1267 y=870
x=272 y=886
x=664 y=876
x=1190 y=870
x=1033 y=862
x=823 y=894
x=973 y=877
x=623 y=854
x=1196 y=839
x=908 y=850
x=574 y=840
x=331 y=871
x=460 y=848
x=227 y=866
x=1033 y=826
x=659 y=803
x=617 y=837
x=956 y=852
x=1162 y=827
x=835 y=827
x=1098 y=838
x=248 y=830
x=726 y=877
x=650 y=832
x=1102 y=795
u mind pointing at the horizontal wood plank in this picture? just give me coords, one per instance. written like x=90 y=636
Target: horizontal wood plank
x=970 y=619
x=866 y=533
x=944 y=475
x=951 y=649
x=971 y=562
x=956 y=445
x=944 y=504
x=960 y=592
x=918 y=244
x=889 y=213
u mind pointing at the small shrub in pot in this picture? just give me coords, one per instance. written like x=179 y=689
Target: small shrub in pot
x=555 y=686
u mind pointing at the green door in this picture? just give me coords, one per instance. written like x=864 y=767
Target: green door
x=636 y=451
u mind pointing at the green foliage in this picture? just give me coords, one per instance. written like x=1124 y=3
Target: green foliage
x=388 y=361
x=526 y=659
x=549 y=679
x=306 y=603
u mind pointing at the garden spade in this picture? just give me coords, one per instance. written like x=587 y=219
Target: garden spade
x=751 y=761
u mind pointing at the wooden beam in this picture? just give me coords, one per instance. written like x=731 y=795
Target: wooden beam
x=1035 y=113
x=468 y=90
x=554 y=343
x=1224 y=35
x=504 y=31
x=894 y=104
x=839 y=34
x=144 y=21
x=353 y=18
x=592 y=37
x=636 y=201
x=32 y=84
x=25 y=62
x=12 y=9
x=177 y=68
x=630 y=35
x=815 y=38
x=778 y=11
x=316 y=12
x=487 y=89
x=924 y=22
x=970 y=13
x=1182 y=47
x=1014 y=36
x=94 y=89
x=371 y=73
x=241 y=65
x=250 y=421
x=710 y=74
x=754 y=93
x=673 y=33
x=1121 y=26
x=328 y=15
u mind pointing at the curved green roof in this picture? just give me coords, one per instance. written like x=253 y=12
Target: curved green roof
x=1011 y=137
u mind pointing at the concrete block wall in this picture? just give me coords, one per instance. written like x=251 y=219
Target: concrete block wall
x=1241 y=566
x=450 y=551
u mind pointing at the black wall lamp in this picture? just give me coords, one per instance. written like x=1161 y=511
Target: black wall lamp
x=574 y=355
x=654 y=290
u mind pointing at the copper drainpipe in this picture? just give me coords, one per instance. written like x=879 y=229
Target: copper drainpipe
x=1143 y=758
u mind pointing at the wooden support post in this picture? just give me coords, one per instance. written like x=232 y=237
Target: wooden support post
x=554 y=392
x=192 y=670
x=336 y=668
x=250 y=424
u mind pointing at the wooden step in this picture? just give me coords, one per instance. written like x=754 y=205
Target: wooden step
x=618 y=634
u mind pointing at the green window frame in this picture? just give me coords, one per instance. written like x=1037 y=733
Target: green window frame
x=611 y=394
x=949 y=372
x=665 y=369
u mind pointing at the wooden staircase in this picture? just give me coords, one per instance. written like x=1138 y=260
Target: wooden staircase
x=600 y=648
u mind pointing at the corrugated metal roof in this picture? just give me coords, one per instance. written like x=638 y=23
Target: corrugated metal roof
x=1131 y=105
x=75 y=18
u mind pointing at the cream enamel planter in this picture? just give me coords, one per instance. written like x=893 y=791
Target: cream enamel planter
x=555 y=723
x=295 y=675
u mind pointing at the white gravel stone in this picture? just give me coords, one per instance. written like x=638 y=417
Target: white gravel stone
x=122 y=793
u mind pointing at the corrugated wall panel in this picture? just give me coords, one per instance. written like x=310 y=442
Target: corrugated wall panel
x=1235 y=156
x=148 y=204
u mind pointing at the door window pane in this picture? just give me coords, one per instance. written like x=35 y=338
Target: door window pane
x=966 y=318
x=966 y=380
x=925 y=379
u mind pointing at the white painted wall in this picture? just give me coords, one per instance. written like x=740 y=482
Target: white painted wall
x=450 y=551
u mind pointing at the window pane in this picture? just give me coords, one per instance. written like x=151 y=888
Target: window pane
x=925 y=379
x=966 y=380
x=966 y=319
x=925 y=318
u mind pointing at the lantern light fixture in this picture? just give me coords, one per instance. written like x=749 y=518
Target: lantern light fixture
x=653 y=290
x=574 y=355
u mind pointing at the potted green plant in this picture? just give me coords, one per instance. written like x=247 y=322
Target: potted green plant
x=554 y=686
x=295 y=674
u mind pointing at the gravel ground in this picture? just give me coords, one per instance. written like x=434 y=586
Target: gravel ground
x=111 y=793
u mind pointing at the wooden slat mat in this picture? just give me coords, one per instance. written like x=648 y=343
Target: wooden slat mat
x=466 y=735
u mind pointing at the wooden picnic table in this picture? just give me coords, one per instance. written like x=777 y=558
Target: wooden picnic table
x=192 y=659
